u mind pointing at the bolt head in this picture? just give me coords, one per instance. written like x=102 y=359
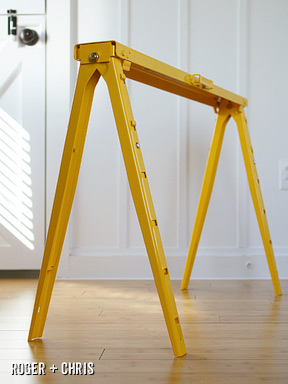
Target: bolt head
x=93 y=57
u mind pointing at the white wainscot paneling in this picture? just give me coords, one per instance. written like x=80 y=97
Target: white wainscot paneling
x=213 y=53
x=94 y=221
x=157 y=132
x=154 y=28
x=94 y=224
x=267 y=112
x=213 y=40
x=175 y=138
x=27 y=7
x=98 y=20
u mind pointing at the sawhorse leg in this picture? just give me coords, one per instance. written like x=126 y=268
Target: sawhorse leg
x=73 y=150
x=67 y=181
x=115 y=78
x=254 y=185
x=206 y=190
x=255 y=190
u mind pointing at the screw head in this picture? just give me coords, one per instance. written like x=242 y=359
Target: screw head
x=249 y=265
x=93 y=57
x=138 y=145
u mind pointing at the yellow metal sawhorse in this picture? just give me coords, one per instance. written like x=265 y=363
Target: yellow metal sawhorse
x=115 y=62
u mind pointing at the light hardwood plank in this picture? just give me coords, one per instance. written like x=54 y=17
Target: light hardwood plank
x=235 y=332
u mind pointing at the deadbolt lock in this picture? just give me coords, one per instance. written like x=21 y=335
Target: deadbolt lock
x=28 y=36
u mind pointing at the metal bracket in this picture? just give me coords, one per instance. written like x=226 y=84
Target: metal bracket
x=200 y=81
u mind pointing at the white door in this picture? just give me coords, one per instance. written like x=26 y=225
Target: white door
x=22 y=134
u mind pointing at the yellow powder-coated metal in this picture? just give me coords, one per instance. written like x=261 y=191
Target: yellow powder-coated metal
x=226 y=110
x=116 y=62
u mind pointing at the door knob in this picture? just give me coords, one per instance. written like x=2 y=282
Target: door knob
x=28 y=36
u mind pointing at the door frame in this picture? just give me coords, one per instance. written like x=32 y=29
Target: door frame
x=61 y=72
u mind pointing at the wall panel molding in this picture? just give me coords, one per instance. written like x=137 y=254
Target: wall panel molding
x=242 y=89
x=182 y=127
x=123 y=187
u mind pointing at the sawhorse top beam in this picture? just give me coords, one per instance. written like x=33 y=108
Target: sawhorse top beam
x=155 y=73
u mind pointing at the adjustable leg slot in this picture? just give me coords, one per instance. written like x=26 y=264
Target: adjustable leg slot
x=165 y=270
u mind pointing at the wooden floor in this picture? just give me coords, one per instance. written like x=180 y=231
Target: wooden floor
x=235 y=332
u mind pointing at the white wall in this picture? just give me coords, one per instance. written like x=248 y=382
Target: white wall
x=241 y=45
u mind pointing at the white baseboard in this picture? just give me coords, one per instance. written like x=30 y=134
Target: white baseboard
x=228 y=263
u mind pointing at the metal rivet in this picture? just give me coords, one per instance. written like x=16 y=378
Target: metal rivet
x=93 y=57
x=137 y=145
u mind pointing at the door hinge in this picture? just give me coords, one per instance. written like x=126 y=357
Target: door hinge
x=12 y=22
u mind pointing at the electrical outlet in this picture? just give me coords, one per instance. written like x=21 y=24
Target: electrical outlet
x=283 y=174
